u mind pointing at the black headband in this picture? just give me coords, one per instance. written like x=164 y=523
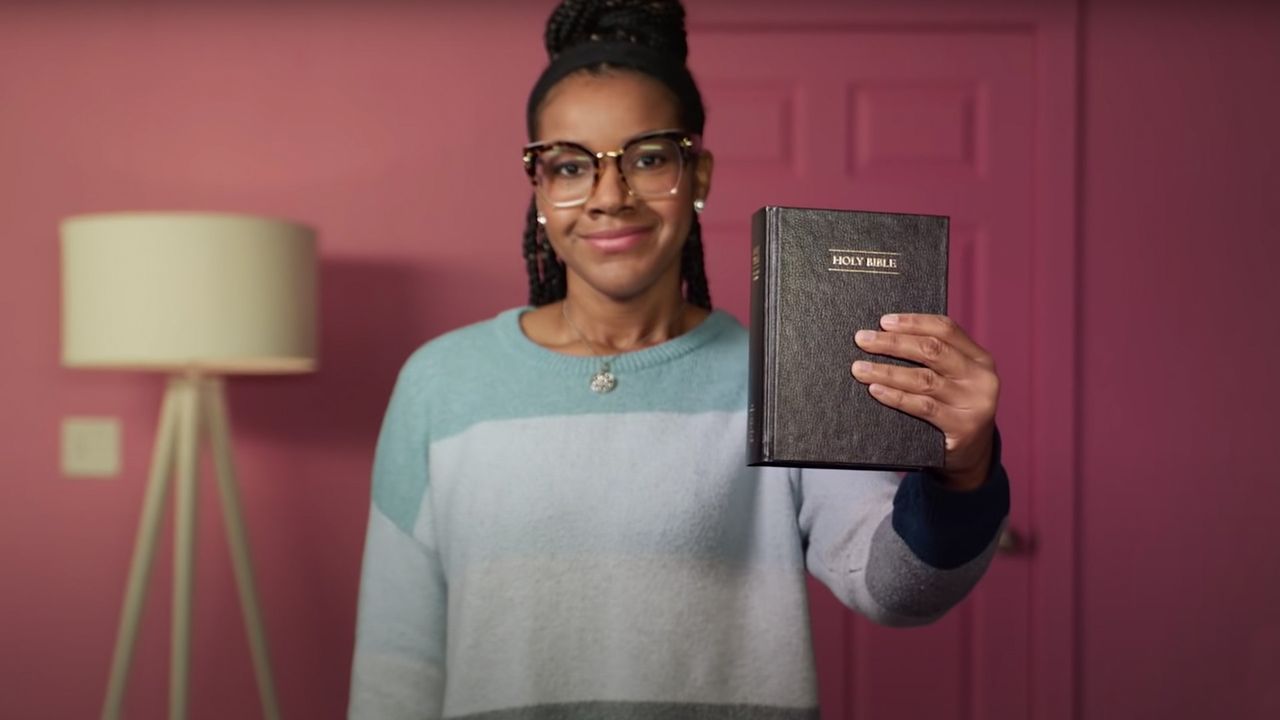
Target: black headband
x=622 y=54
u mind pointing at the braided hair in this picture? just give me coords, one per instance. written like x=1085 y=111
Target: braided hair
x=657 y=28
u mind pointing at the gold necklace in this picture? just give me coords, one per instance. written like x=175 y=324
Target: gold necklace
x=603 y=380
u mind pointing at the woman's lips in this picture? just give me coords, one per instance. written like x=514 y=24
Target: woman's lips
x=616 y=240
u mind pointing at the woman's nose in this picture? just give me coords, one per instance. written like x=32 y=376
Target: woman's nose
x=610 y=191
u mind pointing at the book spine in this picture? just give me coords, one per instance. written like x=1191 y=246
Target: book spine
x=757 y=442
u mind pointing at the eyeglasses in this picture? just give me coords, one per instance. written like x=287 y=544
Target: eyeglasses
x=651 y=165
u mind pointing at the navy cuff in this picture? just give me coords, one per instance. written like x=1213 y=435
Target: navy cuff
x=948 y=528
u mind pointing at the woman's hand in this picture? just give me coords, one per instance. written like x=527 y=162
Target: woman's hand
x=956 y=390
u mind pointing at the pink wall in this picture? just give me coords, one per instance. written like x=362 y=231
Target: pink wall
x=1180 y=464
x=365 y=120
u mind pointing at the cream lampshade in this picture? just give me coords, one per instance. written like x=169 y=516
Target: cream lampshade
x=196 y=296
x=218 y=292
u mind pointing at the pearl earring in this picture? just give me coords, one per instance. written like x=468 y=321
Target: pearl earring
x=542 y=219
x=699 y=205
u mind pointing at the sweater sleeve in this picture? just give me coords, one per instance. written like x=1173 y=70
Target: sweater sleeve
x=398 y=671
x=901 y=552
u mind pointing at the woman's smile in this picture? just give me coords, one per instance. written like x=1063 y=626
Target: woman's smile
x=617 y=240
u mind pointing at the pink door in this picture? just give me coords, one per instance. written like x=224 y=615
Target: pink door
x=877 y=111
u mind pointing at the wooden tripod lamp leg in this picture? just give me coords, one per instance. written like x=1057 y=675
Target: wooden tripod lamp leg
x=143 y=552
x=184 y=536
x=187 y=401
x=215 y=407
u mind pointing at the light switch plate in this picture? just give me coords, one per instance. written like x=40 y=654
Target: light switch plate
x=91 y=447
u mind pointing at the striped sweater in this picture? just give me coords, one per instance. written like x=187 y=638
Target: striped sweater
x=536 y=550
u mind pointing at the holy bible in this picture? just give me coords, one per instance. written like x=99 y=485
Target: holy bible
x=817 y=277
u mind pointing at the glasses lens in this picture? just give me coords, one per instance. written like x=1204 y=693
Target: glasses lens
x=564 y=174
x=653 y=166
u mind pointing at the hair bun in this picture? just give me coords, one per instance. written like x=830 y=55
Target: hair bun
x=656 y=24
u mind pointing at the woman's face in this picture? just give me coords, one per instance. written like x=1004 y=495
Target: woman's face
x=618 y=245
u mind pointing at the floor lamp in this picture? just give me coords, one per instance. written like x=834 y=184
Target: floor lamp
x=197 y=296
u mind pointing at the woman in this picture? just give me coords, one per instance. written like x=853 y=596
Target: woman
x=562 y=522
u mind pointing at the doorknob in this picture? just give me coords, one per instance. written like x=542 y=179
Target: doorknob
x=1011 y=542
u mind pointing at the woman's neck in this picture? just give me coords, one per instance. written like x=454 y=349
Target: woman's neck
x=605 y=326
x=597 y=324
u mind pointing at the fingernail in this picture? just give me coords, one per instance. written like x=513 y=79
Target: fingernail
x=865 y=336
x=861 y=366
x=876 y=389
x=889 y=321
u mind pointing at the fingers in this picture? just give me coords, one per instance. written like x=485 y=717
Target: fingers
x=918 y=381
x=932 y=352
x=957 y=389
x=974 y=395
x=961 y=426
x=942 y=328
x=927 y=408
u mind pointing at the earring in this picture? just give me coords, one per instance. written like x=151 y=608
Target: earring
x=542 y=219
x=699 y=205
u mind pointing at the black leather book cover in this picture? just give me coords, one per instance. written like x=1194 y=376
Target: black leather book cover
x=817 y=277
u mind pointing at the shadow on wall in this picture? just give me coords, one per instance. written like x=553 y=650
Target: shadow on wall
x=372 y=318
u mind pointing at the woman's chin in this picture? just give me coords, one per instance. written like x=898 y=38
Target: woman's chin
x=624 y=288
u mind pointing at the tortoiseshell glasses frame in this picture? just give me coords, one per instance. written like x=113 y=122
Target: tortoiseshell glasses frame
x=651 y=165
